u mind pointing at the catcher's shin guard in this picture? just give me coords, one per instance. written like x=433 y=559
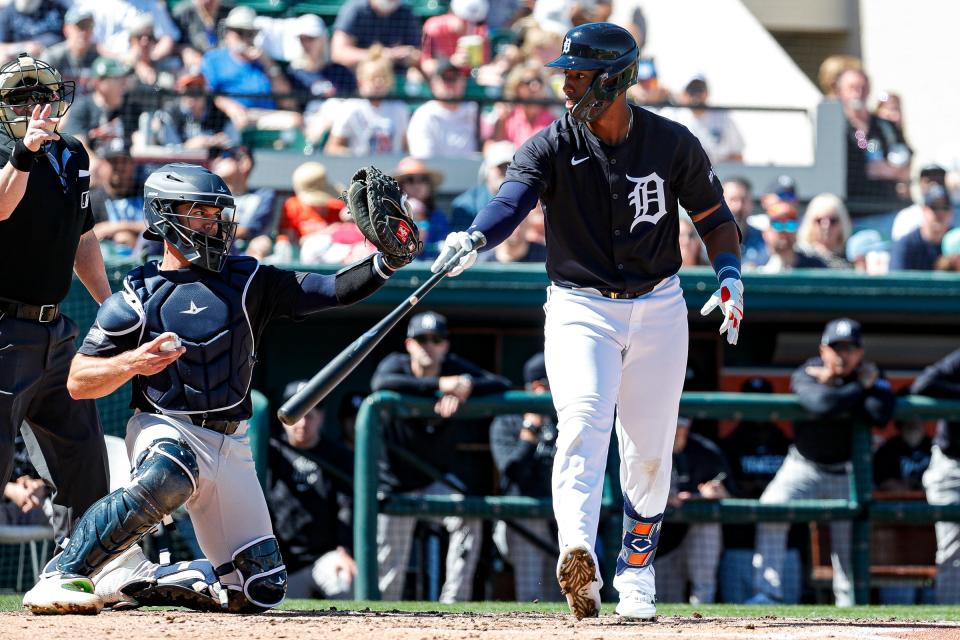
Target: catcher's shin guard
x=263 y=577
x=164 y=478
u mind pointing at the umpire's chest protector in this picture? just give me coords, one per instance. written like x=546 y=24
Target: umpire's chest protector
x=208 y=311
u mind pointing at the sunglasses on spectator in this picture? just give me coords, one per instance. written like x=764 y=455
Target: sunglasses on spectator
x=828 y=220
x=942 y=210
x=844 y=347
x=246 y=34
x=533 y=83
x=415 y=179
x=790 y=226
x=85 y=25
x=430 y=338
x=451 y=78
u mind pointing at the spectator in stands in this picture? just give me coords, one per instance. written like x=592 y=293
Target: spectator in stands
x=360 y=24
x=825 y=229
x=716 y=131
x=111 y=19
x=649 y=90
x=921 y=248
x=516 y=248
x=890 y=108
x=878 y=158
x=198 y=21
x=255 y=210
x=444 y=127
x=460 y=35
x=516 y=123
x=839 y=388
x=117 y=199
x=691 y=553
x=832 y=68
x=370 y=125
x=692 y=252
x=868 y=252
x=305 y=508
x=738 y=193
x=29 y=26
x=899 y=463
x=426 y=368
x=106 y=113
x=74 y=55
x=150 y=71
x=780 y=237
x=496 y=158
x=420 y=184
x=314 y=205
x=949 y=259
x=942 y=478
x=192 y=121
x=909 y=218
x=523 y=447
x=25 y=500
x=239 y=67
x=312 y=74
x=783 y=188
x=561 y=15
x=755 y=450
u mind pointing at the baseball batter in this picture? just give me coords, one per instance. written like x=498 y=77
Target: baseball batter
x=186 y=331
x=609 y=177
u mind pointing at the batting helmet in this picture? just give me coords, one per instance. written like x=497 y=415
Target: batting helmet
x=608 y=49
x=204 y=245
x=25 y=83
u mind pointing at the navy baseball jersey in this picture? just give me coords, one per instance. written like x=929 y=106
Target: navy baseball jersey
x=611 y=212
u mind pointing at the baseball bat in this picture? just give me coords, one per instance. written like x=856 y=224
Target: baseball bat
x=347 y=360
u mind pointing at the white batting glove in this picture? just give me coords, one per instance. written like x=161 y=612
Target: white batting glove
x=729 y=298
x=456 y=241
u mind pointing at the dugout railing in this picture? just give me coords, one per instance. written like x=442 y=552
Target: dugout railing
x=381 y=407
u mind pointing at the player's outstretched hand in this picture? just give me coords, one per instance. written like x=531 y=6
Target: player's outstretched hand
x=729 y=299
x=40 y=128
x=456 y=242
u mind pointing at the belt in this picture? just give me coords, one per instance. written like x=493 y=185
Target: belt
x=39 y=313
x=226 y=427
x=621 y=295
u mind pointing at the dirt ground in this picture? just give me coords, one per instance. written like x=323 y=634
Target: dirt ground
x=344 y=625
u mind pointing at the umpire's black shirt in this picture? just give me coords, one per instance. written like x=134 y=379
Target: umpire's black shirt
x=38 y=242
x=611 y=212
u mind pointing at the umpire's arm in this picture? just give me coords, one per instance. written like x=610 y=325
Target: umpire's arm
x=16 y=173
x=88 y=265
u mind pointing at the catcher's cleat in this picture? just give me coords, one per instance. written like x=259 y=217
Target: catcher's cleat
x=129 y=566
x=185 y=584
x=57 y=593
x=579 y=581
x=637 y=605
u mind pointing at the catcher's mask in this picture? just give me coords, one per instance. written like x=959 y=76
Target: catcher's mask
x=202 y=238
x=610 y=51
x=25 y=83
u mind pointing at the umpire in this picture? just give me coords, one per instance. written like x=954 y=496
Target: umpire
x=45 y=235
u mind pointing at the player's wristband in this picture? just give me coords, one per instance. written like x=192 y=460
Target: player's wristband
x=22 y=158
x=727 y=265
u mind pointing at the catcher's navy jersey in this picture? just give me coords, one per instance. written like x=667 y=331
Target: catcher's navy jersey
x=611 y=212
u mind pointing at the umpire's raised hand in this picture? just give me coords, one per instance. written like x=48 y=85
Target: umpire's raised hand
x=40 y=128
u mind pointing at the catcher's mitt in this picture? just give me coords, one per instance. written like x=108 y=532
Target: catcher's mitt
x=380 y=210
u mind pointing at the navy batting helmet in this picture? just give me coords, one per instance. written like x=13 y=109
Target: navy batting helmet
x=205 y=245
x=608 y=49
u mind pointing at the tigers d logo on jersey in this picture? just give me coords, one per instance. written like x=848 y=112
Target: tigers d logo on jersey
x=648 y=199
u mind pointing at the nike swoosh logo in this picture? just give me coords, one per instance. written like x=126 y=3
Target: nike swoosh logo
x=574 y=162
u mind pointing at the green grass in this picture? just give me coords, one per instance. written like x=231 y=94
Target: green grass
x=905 y=613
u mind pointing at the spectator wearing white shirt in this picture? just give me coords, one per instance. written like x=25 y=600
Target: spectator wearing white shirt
x=716 y=131
x=111 y=19
x=444 y=127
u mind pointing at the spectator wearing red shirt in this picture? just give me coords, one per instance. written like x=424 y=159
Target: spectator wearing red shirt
x=314 y=205
x=518 y=122
x=449 y=35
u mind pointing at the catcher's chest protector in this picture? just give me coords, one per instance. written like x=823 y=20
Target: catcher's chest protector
x=209 y=314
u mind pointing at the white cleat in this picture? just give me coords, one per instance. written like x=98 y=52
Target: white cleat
x=130 y=566
x=637 y=605
x=58 y=594
x=579 y=581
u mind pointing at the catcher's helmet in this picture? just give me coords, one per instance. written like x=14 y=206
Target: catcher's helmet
x=608 y=49
x=26 y=82
x=178 y=183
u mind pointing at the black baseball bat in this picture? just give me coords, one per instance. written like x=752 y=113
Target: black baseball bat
x=347 y=360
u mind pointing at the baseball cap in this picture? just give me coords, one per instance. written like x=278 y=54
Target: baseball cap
x=140 y=24
x=498 y=153
x=936 y=197
x=112 y=148
x=427 y=323
x=863 y=242
x=697 y=84
x=310 y=25
x=104 y=67
x=646 y=69
x=470 y=10
x=781 y=210
x=77 y=14
x=933 y=172
x=842 y=330
x=784 y=187
x=535 y=369
x=950 y=245
x=292 y=389
x=241 y=19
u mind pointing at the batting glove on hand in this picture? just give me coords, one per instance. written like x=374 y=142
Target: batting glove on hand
x=729 y=298
x=455 y=242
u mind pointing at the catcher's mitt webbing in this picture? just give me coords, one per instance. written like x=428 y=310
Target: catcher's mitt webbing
x=379 y=209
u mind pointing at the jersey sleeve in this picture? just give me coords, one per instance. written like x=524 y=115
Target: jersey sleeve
x=696 y=185
x=533 y=163
x=117 y=328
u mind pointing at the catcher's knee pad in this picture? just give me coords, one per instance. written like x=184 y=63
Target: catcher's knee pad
x=263 y=577
x=164 y=478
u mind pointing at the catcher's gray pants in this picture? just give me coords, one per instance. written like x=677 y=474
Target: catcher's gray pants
x=228 y=510
x=534 y=570
x=62 y=435
x=802 y=479
x=942 y=482
x=395 y=534
x=695 y=560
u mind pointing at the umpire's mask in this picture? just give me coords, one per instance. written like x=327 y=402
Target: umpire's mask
x=176 y=207
x=25 y=83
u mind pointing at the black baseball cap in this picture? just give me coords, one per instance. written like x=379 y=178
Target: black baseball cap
x=535 y=369
x=842 y=330
x=429 y=323
x=933 y=172
x=292 y=388
x=785 y=187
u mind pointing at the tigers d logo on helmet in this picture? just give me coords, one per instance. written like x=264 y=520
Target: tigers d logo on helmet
x=25 y=83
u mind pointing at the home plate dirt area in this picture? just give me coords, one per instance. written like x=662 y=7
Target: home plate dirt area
x=366 y=625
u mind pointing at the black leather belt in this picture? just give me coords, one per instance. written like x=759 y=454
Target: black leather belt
x=226 y=427
x=23 y=311
x=627 y=295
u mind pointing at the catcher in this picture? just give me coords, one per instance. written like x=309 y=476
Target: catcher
x=186 y=332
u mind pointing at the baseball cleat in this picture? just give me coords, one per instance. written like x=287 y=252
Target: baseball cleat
x=129 y=566
x=579 y=582
x=58 y=594
x=637 y=605
x=186 y=584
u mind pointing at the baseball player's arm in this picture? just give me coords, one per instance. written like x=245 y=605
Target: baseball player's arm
x=94 y=377
x=88 y=265
x=941 y=379
x=824 y=400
